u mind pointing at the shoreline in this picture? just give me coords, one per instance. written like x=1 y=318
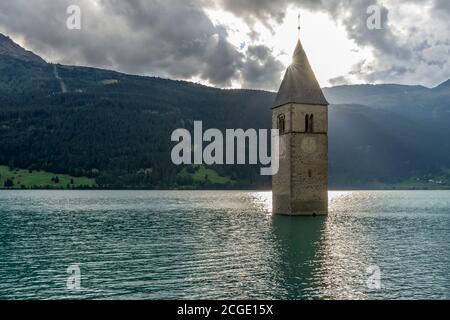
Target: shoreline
x=249 y=190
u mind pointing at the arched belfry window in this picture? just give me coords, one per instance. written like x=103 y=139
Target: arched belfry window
x=309 y=123
x=281 y=124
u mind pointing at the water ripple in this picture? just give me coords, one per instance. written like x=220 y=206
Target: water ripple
x=222 y=245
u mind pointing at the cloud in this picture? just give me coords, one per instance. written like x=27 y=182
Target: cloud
x=398 y=55
x=268 y=12
x=352 y=13
x=339 y=81
x=173 y=39
x=443 y=5
x=261 y=68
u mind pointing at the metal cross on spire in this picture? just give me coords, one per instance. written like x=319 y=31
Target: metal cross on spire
x=299 y=26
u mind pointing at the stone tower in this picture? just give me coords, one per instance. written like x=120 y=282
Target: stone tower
x=300 y=112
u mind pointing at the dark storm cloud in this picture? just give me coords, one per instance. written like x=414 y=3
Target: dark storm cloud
x=339 y=81
x=261 y=69
x=176 y=38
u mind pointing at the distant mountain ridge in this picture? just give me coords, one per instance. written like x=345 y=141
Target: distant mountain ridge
x=445 y=86
x=116 y=128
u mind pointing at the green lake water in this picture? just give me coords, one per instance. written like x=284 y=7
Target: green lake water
x=223 y=245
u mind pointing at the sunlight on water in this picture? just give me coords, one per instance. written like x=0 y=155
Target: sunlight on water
x=222 y=245
x=262 y=200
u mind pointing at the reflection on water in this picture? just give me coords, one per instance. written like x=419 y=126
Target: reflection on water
x=297 y=243
x=221 y=244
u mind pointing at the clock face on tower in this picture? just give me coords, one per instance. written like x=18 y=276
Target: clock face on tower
x=308 y=145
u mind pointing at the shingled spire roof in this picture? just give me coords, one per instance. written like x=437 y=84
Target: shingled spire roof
x=300 y=84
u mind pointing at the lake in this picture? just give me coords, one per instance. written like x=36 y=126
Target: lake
x=223 y=245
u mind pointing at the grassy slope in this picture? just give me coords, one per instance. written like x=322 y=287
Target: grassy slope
x=203 y=175
x=41 y=179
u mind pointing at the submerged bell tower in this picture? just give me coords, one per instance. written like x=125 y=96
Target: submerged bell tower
x=300 y=112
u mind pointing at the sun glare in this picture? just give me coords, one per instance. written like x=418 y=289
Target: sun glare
x=331 y=53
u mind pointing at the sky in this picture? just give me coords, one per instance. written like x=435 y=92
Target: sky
x=241 y=43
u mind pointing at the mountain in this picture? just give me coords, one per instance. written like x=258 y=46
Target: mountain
x=442 y=91
x=116 y=128
x=9 y=48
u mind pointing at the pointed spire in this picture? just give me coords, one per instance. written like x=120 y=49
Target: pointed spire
x=300 y=84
